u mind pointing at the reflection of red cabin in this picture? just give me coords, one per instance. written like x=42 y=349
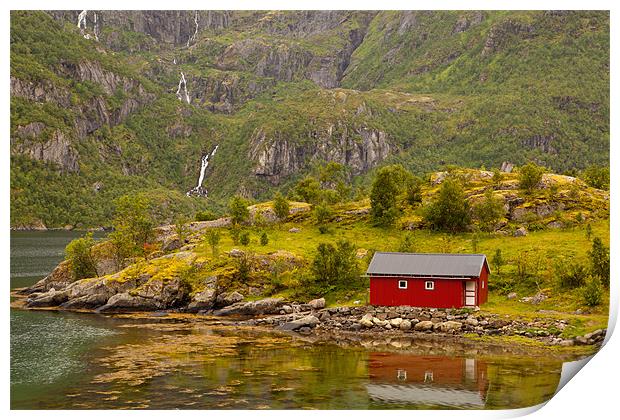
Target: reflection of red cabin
x=428 y=280
x=427 y=380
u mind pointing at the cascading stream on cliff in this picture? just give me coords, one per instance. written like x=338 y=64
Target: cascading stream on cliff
x=204 y=163
x=183 y=84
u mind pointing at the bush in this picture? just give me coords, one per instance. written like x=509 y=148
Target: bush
x=322 y=215
x=281 y=206
x=489 y=211
x=335 y=267
x=133 y=227
x=597 y=177
x=530 y=176
x=213 y=238
x=450 y=211
x=243 y=268
x=571 y=275
x=308 y=190
x=79 y=254
x=205 y=216
x=593 y=291
x=264 y=239
x=407 y=243
x=238 y=207
x=181 y=228
x=234 y=232
x=599 y=261
x=387 y=186
x=244 y=238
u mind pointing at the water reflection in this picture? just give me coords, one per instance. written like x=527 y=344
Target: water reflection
x=427 y=380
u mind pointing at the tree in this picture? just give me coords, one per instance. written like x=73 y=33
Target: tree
x=593 y=291
x=234 y=232
x=588 y=231
x=281 y=206
x=413 y=190
x=530 y=176
x=383 y=197
x=238 y=207
x=331 y=174
x=213 y=238
x=79 y=254
x=322 y=215
x=264 y=239
x=335 y=266
x=597 y=177
x=488 y=211
x=407 y=243
x=498 y=261
x=244 y=238
x=133 y=227
x=450 y=211
x=309 y=190
x=497 y=178
x=599 y=261
x=181 y=228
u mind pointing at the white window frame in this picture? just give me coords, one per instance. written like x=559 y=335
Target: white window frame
x=401 y=282
x=429 y=283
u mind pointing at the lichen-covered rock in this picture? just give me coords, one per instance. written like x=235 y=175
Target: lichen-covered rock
x=423 y=326
x=226 y=299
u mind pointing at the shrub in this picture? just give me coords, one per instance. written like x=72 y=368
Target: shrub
x=407 y=243
x=213 y=238
x=450 y=211
x=597 y=177
x=281 y=206
x=264 y=239
x=530 y=176
x=497 y=178
x=133 y=227
x=181 y=228
x=79 y=254
x=489 y=211
x=599 y=261
x=571 y=275
x=234 y=232
x=243 y=268
x=335 y=266
x=322 y=215
x=593 y=291
x=244 y=238
x=388 y=184
x=205 y=216
x=238 y=207
x=498 y=261
x=308 y=189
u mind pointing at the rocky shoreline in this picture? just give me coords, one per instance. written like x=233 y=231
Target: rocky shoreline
x=314 y=319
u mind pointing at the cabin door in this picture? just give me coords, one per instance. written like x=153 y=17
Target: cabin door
x=470 y=293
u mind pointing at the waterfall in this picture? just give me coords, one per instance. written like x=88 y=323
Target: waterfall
x=82 y=19
x=182 y=82
x=199 y=190
x=193 y=37
x=96 y=28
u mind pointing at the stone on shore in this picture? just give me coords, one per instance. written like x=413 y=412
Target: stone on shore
x=317 y=303
x=423 y=326
x=366 y=321
x=405 y=325
x=309 y=321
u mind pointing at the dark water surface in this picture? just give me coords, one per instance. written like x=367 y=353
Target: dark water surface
x=66 y=360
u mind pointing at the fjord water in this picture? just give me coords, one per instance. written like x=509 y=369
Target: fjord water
x=63 y=360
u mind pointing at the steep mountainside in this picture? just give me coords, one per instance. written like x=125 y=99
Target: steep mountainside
x=109 y=102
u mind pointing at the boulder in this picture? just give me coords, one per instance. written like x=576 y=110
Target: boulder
x=258 y=307
x=123 y=302
x=317 y=303
x=472 y=321
x=227 y=299
x=52 y=297
x=520 y=232
x=235 y=253
x=378 y=322
x=448 y=326
x=171 y=244
x=512 y=295
x=203 y=300
x=294 y=230
x=396 y=322
x=309 y=321
x=405 y=325
x=423 y=326
x=366 y=321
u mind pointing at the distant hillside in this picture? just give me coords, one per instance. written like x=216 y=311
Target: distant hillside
x=107 y=102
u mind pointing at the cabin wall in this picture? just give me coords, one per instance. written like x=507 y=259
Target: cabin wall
x=448 y=293
x=483 y=292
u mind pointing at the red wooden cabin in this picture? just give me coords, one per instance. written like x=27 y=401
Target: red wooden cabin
x=428 y=280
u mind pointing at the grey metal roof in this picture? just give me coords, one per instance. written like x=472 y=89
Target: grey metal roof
x=436 y=265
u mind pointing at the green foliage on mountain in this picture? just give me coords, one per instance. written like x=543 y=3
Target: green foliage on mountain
x=283 y=93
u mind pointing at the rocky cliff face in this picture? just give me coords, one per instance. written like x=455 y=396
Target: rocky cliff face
x=359 y=148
